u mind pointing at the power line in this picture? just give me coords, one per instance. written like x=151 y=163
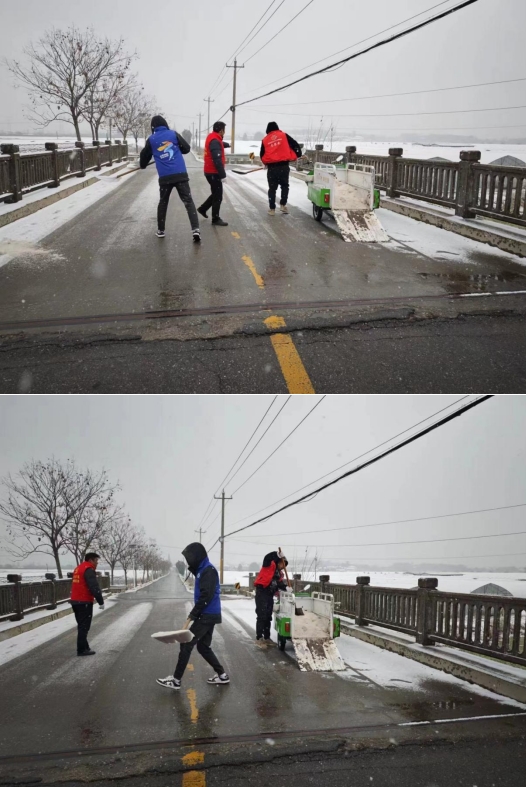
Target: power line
x=356 y=43
x=392 y=95
x=397 y=559
x=287 y=400
x=366 y=50
x=245 y=446
x=355 y=459
x=261 y=28
x=280 y=31
x=402 y=521
x=398 y=128
x=407 y=441
x=283 y=441
x=396 y=114
x=396 y=543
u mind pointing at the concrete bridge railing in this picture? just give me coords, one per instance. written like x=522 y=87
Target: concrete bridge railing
x=492 y=625
x=21 y=173
x=468 y=187
x=18 y=597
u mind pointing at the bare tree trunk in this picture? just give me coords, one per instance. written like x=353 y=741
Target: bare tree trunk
x=126 y=578
x=76 y=125
x=57 y=562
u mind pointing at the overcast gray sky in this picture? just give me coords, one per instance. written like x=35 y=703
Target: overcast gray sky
x=183 y=48
x=170 y=454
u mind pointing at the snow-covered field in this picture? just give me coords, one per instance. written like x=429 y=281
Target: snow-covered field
x=39 y=573
x=489 y=151
x=454 y=583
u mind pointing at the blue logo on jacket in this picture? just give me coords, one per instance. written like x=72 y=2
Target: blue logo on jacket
x=214 y=606
x=166 y=152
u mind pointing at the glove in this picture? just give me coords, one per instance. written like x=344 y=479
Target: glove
x=101 y=606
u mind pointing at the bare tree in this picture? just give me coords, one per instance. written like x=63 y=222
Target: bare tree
x=114 y=542
x=94 y=513
x=102 y=98
x=132 y=551
x=41 y=506
x=63 y=67
x=141 y=120
x=187 y=134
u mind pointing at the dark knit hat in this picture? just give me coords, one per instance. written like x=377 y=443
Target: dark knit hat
x=272 y=127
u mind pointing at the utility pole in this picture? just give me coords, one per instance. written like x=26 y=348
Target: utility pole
x=208 y=101
x=222 y=539
x=199 y=144
x=193 y=132
x=200 y=536
x=233 y=107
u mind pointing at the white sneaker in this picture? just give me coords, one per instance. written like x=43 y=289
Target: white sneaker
x=169 y=683
x=217 y=679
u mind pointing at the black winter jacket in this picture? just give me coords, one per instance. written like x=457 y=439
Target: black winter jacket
x=293 y=145
x=146 y=154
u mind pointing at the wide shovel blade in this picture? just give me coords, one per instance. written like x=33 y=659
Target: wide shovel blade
x=169 y=637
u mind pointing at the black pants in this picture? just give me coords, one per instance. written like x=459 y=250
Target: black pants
x=278 y=175
x=83 y=615
x=203 y=639
x=216 y=197
x=264 y=611
x=183 y=189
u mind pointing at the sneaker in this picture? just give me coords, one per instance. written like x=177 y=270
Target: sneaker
x=261 y=643
x=269 y=641
x=203 y=212
x=169 y=683
x=272 y=211
x=88 y=652
x=283 y=209
x=219 y=679
x=219 y=222
x=196 y=235
x=160 y=233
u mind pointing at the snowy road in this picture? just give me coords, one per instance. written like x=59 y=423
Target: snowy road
x=97 y=268
x=54 y=702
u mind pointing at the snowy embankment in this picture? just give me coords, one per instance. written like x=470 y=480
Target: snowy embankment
x=451 y=583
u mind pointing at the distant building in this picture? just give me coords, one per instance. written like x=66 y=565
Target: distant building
x=492 y=590
x=438 y=158
x=509 y=161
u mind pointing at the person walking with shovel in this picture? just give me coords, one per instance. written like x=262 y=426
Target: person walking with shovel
x=267 y=583
x=205 y=615
x=167 y=148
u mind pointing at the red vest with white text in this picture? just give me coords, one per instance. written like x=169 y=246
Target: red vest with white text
x=210 y=167
x=277 y=148
x=79 y=587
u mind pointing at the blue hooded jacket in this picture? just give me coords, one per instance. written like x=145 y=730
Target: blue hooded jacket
x=214 y=606
x=166 y=152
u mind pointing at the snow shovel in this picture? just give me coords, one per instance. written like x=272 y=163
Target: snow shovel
x=297 y=610
x=169 y=637
x=247 y=171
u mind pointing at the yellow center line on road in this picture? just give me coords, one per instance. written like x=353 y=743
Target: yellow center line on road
x=252 y=268
x=194 y=710
x=292 y=368
x=194 y=778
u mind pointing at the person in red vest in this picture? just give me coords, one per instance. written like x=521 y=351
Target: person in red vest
x=215 y=172
x=267 y=583
x=84 y=591
x=277 y=149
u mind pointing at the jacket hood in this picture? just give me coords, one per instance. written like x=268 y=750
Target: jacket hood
x=194 y=554
x=272 y=127
x=157 y=121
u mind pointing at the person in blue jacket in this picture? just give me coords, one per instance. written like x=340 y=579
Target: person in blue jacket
x=167 y=148
x=205 y=614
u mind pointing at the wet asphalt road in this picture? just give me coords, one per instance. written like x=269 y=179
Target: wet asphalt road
x=55 y=702
x=108 y=261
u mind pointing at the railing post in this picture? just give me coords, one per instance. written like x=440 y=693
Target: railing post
x=125 y=144
x=350 y=151
x=16 y=579
x=96 y=144
x=80 y=146
x=251 y=578
x=53 y=147
x=15 y=184
x=110 y=152
x=424 y=614
x=119 y=153
x=51 y=578
x=361 y=584
x=295 y=578
x=317 y=148
x=392 y=168
x=466 y=182
x=324 y=579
